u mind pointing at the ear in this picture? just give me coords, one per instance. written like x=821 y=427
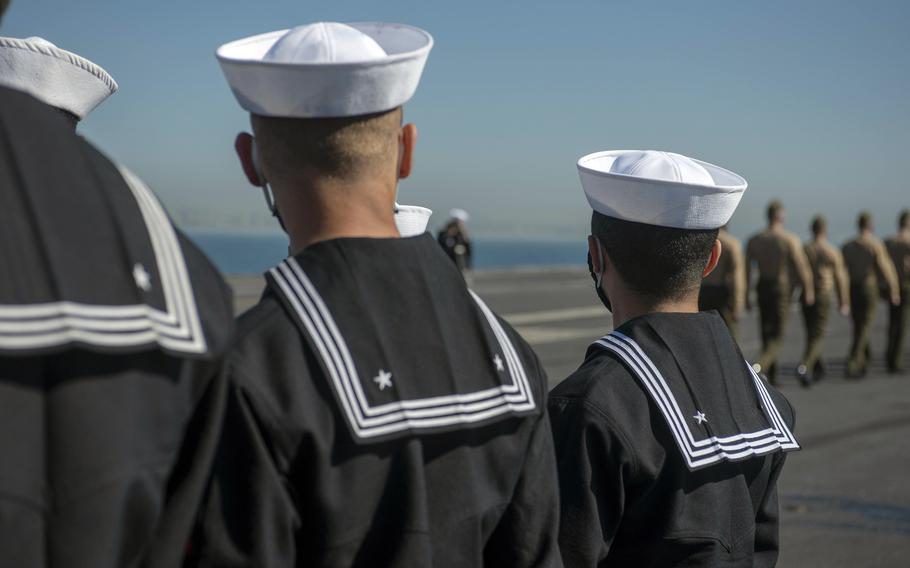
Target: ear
x=713 y=259
x=594 y=251
x=243 y=145
x=407 y=139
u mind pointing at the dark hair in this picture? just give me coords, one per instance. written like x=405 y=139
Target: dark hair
x=343 y=147
x=660 y=262
x=904 y=218
x=819 y=224
x=3 y=5
x=864 y=221
x=774 y=208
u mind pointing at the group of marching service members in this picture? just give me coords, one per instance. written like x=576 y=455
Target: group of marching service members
x=370 y=410
x=864 y=271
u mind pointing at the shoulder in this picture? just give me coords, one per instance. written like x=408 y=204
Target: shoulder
x=601 y=385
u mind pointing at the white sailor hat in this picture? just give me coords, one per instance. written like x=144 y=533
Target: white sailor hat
x=326 y=69
x=412 y=220
x=54 y=76
x=660 y=188
x=459 y=215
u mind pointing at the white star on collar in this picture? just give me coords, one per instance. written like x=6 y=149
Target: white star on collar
x=700 y=417
x=141 y=276
x=497 y=360
x=383 y=379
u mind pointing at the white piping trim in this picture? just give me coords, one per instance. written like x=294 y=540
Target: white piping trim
x=177 y=328
x=698 y=453
x=367 y=420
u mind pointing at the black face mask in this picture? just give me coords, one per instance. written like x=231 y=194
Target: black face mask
x=604 y=299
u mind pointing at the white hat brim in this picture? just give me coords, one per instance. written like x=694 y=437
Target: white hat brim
x=54 y=76
x=310 y=90
x=660 y=202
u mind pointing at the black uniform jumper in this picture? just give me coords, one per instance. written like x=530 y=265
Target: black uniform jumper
x=381 y=415
x=669 y=448
x=111 y=329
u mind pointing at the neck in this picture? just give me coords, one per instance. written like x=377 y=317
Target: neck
x=629 y=305
x=904 y=232
x=775 y=224
x=865 y=232
x=820 y=238
x=323 y=209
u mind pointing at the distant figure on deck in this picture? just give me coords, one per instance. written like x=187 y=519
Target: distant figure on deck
x=828 y=274
x=724 y=289
x=454 y=240
x=872 y=275
x=782 y=266
x=899 y=249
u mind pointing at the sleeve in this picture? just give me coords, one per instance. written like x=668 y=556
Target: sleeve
x=249 y=517
x=767 y=520
x=593 y=467
x=887 y=272
x=750 y=258
x=189 y=478
x=840 y=277
x=527 y=534
x=740 y=284
x=801 y=264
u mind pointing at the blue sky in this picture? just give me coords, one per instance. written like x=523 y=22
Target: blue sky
x=808 y=100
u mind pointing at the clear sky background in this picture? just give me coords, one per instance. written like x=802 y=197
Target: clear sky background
x=809 y=100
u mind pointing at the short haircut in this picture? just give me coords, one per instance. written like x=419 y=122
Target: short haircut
x=659 y=262
x=819 y=225
x=344 y=148
x=864 y=221
x=3 y=5
x=774 y=208
x=904 y=219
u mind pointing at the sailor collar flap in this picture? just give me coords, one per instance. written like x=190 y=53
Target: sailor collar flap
x=384 y=399
x=127 y=288
x=694 y=429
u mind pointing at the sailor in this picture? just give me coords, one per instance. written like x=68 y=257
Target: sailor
x=828 y=275
x=782 y=266
x=669 y=445
x=724 y=289
x=112 y=325
x=871 y=274
x=899 y=249
x=454 y=240
x=380 y=413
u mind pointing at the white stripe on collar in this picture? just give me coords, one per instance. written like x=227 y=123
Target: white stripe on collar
x=177 y=328
x=707 y=451
x=368 y=421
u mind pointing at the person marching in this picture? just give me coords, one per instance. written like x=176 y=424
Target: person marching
x=872 y=275
x=112 y=327
x=724 y=289
x=669 y=445
x=782 y=266
x=899 y=249
x=380 y=414
x=828 y=274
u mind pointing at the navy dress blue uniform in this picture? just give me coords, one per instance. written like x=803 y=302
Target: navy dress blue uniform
x=669 y=448
x=112 y=325
x=380 y=415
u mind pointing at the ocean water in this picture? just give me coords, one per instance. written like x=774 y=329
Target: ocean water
x=254 y=253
